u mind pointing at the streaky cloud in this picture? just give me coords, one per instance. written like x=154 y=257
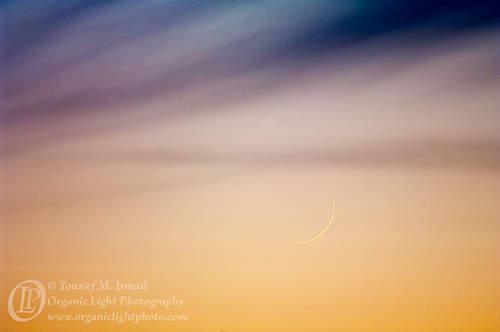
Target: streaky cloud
x=65 y=57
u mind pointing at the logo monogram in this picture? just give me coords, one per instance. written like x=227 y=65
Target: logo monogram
x=26 y=300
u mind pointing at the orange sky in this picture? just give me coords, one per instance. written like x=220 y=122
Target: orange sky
x=210 y=208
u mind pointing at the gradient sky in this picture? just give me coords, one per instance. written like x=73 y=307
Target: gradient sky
x=193 y=144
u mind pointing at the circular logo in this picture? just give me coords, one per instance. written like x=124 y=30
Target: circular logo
x=26 y=300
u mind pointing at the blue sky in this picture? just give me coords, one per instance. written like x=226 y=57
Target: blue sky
x=101 y=53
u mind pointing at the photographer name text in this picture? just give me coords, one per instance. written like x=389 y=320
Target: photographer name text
x=102 y=286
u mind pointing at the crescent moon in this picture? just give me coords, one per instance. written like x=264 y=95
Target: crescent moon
x=331 y=220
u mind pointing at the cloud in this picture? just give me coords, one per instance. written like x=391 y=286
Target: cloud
x=67 y=57
x=421 y=153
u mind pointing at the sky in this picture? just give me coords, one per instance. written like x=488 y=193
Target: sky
x=195 y=145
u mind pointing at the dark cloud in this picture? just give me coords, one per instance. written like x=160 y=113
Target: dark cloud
x=431 y=153
x=62 y=57
x=421 y=154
